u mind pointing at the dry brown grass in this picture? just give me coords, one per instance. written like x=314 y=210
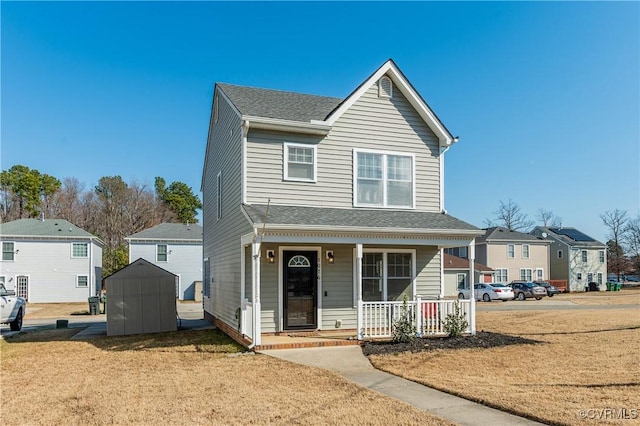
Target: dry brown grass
x=589 y=361
x=188 y=377
x=623 y=297
x=56 y=310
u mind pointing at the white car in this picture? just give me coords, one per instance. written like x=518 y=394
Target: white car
x=12 y=308
x=488 y=292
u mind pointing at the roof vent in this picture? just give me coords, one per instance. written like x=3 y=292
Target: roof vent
x=385 y=87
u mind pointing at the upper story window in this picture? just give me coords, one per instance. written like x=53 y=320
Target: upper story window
x=161 y=253
x=383 y=179
x=462 y=252
x=8 y=252
x=601 y=256
x=80 y=250
x=525 y=251
x=511 y=251
x=385 y=87
x=300 y=162
x=584 y=256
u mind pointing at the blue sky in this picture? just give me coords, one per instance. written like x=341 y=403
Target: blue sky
x=544 y=96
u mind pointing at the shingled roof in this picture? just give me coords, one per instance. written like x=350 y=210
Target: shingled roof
x=498 y=233
x=253 y=101
x=58 y=228
x=454 y=262
x=354 y=218
x=170 y=232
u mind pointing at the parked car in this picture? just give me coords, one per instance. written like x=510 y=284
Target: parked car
x=523 y=290
x=488 y=292
x=551 y=289
x=12 y=308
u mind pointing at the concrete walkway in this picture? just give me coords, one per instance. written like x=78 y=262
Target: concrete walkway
x=349 y=362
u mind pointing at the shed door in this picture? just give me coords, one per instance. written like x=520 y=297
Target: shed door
x=300 y=289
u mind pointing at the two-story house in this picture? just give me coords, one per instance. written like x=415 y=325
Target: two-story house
x=513 y=255
x=575 y=257
x=50 y=260
x=175 y=247
x=315 y=206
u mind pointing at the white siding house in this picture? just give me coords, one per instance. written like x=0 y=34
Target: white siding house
x=175 y=247
x=317 y=210
x=49 y=261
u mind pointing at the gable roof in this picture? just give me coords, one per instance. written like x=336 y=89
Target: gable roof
x=450 y=261
x=48 y=228
x=252 y=101
x=500 y=234
x=170 y=232
x=140 y=268
x=570 y=236
x=285 y=217
x=282 y=110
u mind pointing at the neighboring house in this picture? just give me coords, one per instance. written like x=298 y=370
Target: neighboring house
x=176 y=247
x=50 y=260
x=575 y=257
x=513 y=255
x=456 y=274
x=314 y=206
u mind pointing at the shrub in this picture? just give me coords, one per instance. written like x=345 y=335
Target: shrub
x=455 y=324
x=403 y=329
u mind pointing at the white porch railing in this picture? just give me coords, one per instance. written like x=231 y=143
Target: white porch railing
x=377 y=318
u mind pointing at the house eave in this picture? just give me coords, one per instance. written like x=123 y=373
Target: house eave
x=311 y=128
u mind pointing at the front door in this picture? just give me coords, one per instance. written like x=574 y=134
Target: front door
x=300 y=294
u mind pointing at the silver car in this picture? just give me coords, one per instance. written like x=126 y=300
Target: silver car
x=488 y=292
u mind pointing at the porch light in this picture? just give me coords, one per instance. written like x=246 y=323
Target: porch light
x=329 y=255
x=271 y=256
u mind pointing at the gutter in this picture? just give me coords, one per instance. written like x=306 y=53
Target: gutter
x=287 y=125
x=364 y=229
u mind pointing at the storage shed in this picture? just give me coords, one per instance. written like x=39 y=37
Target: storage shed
x=141 y=298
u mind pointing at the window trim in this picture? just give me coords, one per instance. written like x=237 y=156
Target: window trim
x=528 y=256
x=80 y=257
x=13 y=251
x=166 y=246
x=385 y=155
x=584 y=256
x=599 y=277
x=511 y=251
x=78 y=281
x=539 y=273
x=465 y=279
x=462 y=255
x=285 y=162
x=385 y=269
x=601 y=256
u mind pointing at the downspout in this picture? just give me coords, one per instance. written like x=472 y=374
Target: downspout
x=245 y=134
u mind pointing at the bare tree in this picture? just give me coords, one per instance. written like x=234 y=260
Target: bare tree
x=549 y=218
x=510 y=216
x=633 y=242
x=616 y=223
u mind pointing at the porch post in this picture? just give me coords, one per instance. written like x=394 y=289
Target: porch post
x=472 y=306
x=359 y=288
x=255 y=283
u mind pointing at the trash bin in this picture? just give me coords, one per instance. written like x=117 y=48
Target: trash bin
x=618 y=285
x=94 y=305
x=608 y=286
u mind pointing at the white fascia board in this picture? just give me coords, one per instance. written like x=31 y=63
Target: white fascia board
x=365 y=229
x=316 y=128
x=407 y=90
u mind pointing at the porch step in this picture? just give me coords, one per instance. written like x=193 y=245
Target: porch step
x=306 y=344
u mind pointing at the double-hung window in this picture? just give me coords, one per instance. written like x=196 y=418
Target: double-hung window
x=383 y=179
x=80 y=250
x=511 y=251
x=8 y=251
x=525 y=274
x=300 y=162
x=502 y=275
x=584 y=256
x=601 y=256
x=387 y=275
x=525 y=251
x=161 y=253
x=82 y=281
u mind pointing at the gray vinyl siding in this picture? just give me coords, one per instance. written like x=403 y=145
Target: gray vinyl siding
x=51 y=270
x=338 y=300
x=183 y=260
x=371 y=123
x=221 y=238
